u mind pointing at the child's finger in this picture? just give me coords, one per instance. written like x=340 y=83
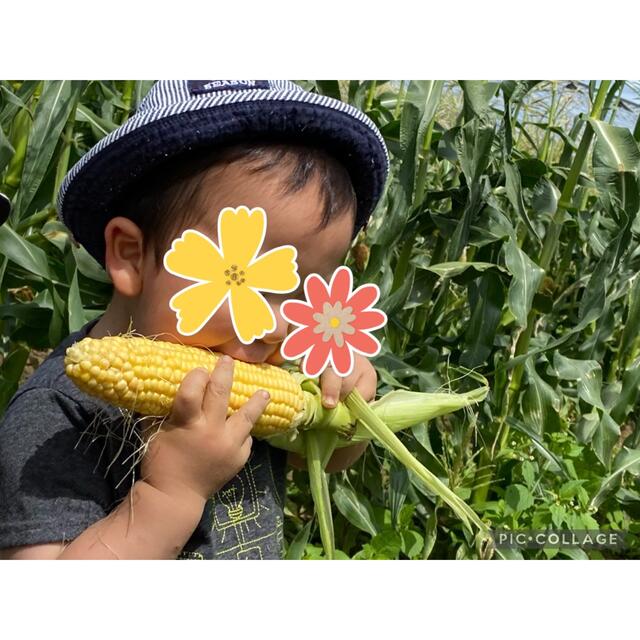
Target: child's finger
x=245 y=418
x=349 y=384
x=330 y=383
x=188 y=402
x=246 y=447
x=216 y=395
x=366 y=383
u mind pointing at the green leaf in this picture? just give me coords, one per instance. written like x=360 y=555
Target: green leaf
x=518 y=498
x=632 y=322
x=10 y=373
x=593 y=301
x=88 y=266
x=355 y=508
x=76 y=317
x=627 y=461
x=545 y=197
x=430 y=533
x=57 y=328
x=556 y=464
x=6 y=151
x=298 y=544
x=477 y=96
x=23 y=253
x=615 y=151
x=329 y=88
x=473 y=147
x=409 y=123
x=574 y=554
x=453 y=269
x=427 y=94
x=100 y=126
x=387 y=545
x=396 y=300
x=54 y=107
x=586 y=373
x=586 y=426
x=15 y=101
x=604 y=438
x=541 y=403
x=513 y=186
x=627 y=396
x=56 y=233
x=527 y=276
x=486 y=299
x=398 y=487
x=30 y=313
x=405 y=517
x=558 y=515
x=492 y=225
x=528 y=474
x=616 y=164
x=515 y=90
x=570 y=489
x=311 y=552
x=412 y=543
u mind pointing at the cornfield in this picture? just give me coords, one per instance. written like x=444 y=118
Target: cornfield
x=507 y=243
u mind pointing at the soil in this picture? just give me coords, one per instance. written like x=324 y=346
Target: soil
x=34 y=360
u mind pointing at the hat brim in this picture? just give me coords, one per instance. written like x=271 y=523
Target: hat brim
x=87 y=205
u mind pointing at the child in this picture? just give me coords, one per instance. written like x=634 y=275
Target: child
x=204 y=488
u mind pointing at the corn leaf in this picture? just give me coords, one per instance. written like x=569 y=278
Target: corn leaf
x=527 y=276
x=586 y=373
x=296 y=547
x=356 y=509
x=628 y=460
x=76 y=318
x=23 y=253
x=52 y=112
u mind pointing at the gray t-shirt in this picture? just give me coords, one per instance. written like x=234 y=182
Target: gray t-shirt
x=66 y=461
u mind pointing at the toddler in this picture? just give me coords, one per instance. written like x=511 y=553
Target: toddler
x=204 y=488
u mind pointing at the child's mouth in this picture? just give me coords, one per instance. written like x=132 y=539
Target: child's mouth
x=253 y=354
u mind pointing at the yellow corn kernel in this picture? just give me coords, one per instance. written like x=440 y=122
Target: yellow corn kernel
x=143 y=375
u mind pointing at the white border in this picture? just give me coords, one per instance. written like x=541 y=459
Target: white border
x=316 y=600
x=406 y=39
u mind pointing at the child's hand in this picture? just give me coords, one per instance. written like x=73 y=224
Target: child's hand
x=198 y=449
x=363 y=378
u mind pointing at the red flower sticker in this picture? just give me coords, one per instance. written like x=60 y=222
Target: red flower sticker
x=333 y=324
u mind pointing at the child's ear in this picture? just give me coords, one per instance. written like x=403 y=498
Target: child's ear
x=124 y=258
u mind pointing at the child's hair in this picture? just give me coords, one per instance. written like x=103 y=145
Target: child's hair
x=169 y=198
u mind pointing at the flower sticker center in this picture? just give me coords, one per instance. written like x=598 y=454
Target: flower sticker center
x=232 y=270
x=333 y=324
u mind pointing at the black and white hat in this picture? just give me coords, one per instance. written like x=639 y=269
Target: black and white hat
x=178 y=116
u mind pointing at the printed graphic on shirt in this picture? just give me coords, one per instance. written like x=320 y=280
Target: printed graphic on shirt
x=244 y=522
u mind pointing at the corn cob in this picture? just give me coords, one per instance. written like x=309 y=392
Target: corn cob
x=143 y=375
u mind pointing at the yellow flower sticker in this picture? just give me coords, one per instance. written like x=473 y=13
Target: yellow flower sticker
x=233 y=270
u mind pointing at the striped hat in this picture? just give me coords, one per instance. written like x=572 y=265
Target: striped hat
x=178 y=116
